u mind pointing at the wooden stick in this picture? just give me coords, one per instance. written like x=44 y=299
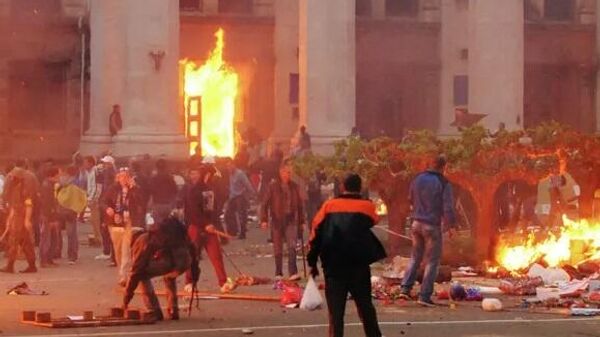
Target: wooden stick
x=241 y=297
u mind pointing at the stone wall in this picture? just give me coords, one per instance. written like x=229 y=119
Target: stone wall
x=397 y=77
x=35 y=49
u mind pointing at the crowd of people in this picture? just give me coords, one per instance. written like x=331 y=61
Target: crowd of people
x=151 y=218
x=40 y=202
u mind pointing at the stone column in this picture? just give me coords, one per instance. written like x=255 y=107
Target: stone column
x=497 y=61
x=454 y=28
x=327 y=70
x=598 y=70
x=286 y=54
x=107 y=66
x=152 y=118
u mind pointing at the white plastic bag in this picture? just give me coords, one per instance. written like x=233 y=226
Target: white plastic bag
x=311 y=300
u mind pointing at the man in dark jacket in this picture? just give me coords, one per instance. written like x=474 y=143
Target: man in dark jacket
x=125 y=210
x=165 y=251
x=50 y=225
x=162 y=189
x=105 y=179
x=431 y=198
x=198 y=200
x=343 y=240
x=283 y=205
x=115 y=122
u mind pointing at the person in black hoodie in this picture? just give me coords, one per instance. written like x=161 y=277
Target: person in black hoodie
x=198 y=201
x=342 y=239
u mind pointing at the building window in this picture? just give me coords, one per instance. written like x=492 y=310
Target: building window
x=190 y=5
x=363 y=7
x=37 y=95
x=461 y=90
x=559 y=10
x=408 y=8
x=28 y=8
x=235 y=6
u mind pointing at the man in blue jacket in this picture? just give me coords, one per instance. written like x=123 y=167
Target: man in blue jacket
x=432 y=212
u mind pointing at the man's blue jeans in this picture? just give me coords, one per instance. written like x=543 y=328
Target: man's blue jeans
x=427 y=242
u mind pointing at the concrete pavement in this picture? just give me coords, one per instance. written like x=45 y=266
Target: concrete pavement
x=91 y=285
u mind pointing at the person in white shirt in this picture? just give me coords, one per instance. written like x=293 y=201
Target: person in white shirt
x=90 y=172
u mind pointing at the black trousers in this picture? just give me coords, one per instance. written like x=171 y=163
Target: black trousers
x=357 y=282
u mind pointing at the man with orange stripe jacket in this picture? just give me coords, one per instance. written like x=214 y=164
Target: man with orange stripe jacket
x=342 y=239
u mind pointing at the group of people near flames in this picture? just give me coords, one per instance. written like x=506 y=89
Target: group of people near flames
x=149 y=222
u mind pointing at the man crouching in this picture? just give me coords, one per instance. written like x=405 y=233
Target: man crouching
x=165 y=251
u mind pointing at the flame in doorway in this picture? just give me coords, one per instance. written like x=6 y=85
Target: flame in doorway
x=210 y=92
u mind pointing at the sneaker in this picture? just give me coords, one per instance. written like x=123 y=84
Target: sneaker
x=426 y=303
x=228 y=287
x=112 y=264
x=295 y=277
x=71 y=262
x=404 y=295
x=102 y=257
x=278 y=277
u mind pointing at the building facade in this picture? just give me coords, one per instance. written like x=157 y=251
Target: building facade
x=384 y=66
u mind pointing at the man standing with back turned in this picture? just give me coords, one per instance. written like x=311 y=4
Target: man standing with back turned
x=342 y=238
x=431 y=198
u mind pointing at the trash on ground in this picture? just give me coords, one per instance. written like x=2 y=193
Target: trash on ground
x=23 y=289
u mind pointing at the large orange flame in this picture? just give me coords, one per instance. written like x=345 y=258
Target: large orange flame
x=576 y=242
x=210 y=94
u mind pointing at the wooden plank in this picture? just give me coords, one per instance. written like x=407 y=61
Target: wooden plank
x=63 y=323
x=239 y=297
x=67 y=323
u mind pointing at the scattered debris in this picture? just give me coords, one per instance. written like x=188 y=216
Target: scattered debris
x=23 y=289
x=291 y=295
x=521 y=286
x=246 y=280
x=492 y=305
x=585 y=311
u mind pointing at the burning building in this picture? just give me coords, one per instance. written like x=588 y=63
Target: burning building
x=314 y=63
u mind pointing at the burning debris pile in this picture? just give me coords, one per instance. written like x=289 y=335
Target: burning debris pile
x=560 y=268
x=575 y=243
